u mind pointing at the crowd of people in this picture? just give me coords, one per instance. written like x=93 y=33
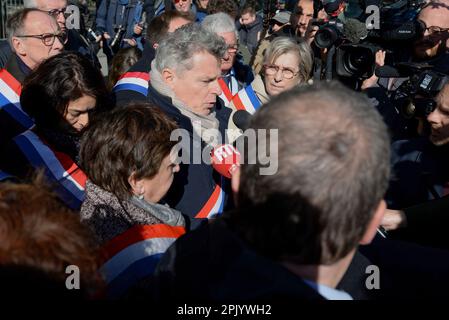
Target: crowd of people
x=122 y=176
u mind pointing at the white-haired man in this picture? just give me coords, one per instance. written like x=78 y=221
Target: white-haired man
x=235 y=75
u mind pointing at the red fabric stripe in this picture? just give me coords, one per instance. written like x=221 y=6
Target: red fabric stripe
x=11 y=81
x=139 y=233
x=238 y=102
x=204 y=212
x=225 y=89
x=72 y=169
x=141 y=75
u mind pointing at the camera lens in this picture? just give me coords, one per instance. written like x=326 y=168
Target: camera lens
x=326 y=37
x=359 y=61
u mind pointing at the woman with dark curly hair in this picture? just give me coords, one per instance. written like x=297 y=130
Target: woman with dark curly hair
x=60 y=95
x=127 y=157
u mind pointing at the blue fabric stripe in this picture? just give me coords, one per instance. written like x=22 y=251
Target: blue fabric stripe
x=135 y=272
x=132 y=87
x=252 y=96
x=70 y=194
x=19 y=116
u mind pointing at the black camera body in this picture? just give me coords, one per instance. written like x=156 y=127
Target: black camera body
x=415 y=98
x=329 y=33
x=117 y=40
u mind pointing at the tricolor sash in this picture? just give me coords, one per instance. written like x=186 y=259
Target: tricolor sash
x=228 y=91
x=215 y=203
x=134 y=254
x=68 y=179
x=134 y=81
x=246 y=99
x=10 y=90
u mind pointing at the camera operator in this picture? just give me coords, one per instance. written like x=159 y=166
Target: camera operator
x=116 y=24
x=432 y=47
x=420 y=165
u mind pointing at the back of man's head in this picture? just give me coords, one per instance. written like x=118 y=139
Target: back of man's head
x=160 y=25
x=333 y=168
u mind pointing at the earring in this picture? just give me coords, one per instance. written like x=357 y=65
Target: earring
x=140 y=196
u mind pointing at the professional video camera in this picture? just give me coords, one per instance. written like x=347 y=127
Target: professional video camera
x=399 y=28
x=415 y=98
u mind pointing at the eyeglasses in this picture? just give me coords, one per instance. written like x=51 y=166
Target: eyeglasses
x=432 y=29
x=56 y=12
x=233 y=49
x=48 y=39
x=271 y=69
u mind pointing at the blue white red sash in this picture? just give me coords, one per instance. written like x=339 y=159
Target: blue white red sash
x=134 y=255
x=69 y=180
x=134 y=81
x=228 y=91
x=215 y=203
x=10 y=90
x=247 y=100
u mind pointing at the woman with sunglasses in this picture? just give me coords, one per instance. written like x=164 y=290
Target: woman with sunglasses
x=60 y=96
x=287 y=63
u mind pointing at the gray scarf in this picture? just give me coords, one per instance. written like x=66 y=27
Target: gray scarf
x=200 y=123
x=164 y=213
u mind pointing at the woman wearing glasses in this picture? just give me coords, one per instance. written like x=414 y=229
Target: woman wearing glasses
x=287 y=63
x=60 y=95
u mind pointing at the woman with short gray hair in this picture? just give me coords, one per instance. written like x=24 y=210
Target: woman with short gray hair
x=287 y=63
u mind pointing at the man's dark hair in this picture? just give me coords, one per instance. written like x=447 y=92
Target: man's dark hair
x=132 y=140
x=333 y=169
x=158 y=27
x=57 y=81
x=226 y=6
x=39 y=238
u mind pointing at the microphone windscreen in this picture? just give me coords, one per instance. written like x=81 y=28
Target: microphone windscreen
x=241 y=119
x=354 y=30
x=225 y=159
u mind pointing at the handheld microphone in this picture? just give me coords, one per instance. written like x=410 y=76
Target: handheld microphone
x=241 y=119
x=225 y=159
x=387 y=72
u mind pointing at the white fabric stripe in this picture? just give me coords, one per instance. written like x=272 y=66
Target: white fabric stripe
x=224 y=99
x=246 y=101
x=47 y=155
x=234 y=86
x=8 y=92
x=123 y=259
x=133 y=80
x=217 y=205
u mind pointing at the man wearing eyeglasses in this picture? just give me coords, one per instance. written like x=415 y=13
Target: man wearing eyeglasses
x=235 y=75
x=33 y=36
x=75 y=41
x=435 y=41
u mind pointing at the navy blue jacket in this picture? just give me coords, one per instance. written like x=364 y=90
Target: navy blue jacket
x=111 y=14
x=192 y=191
x=213 y=264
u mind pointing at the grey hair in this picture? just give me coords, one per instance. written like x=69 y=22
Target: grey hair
x=16 y=23
x=333 y=155
x=283 y=45
x=177 y=49
x=220 y=23
x=30 y=3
